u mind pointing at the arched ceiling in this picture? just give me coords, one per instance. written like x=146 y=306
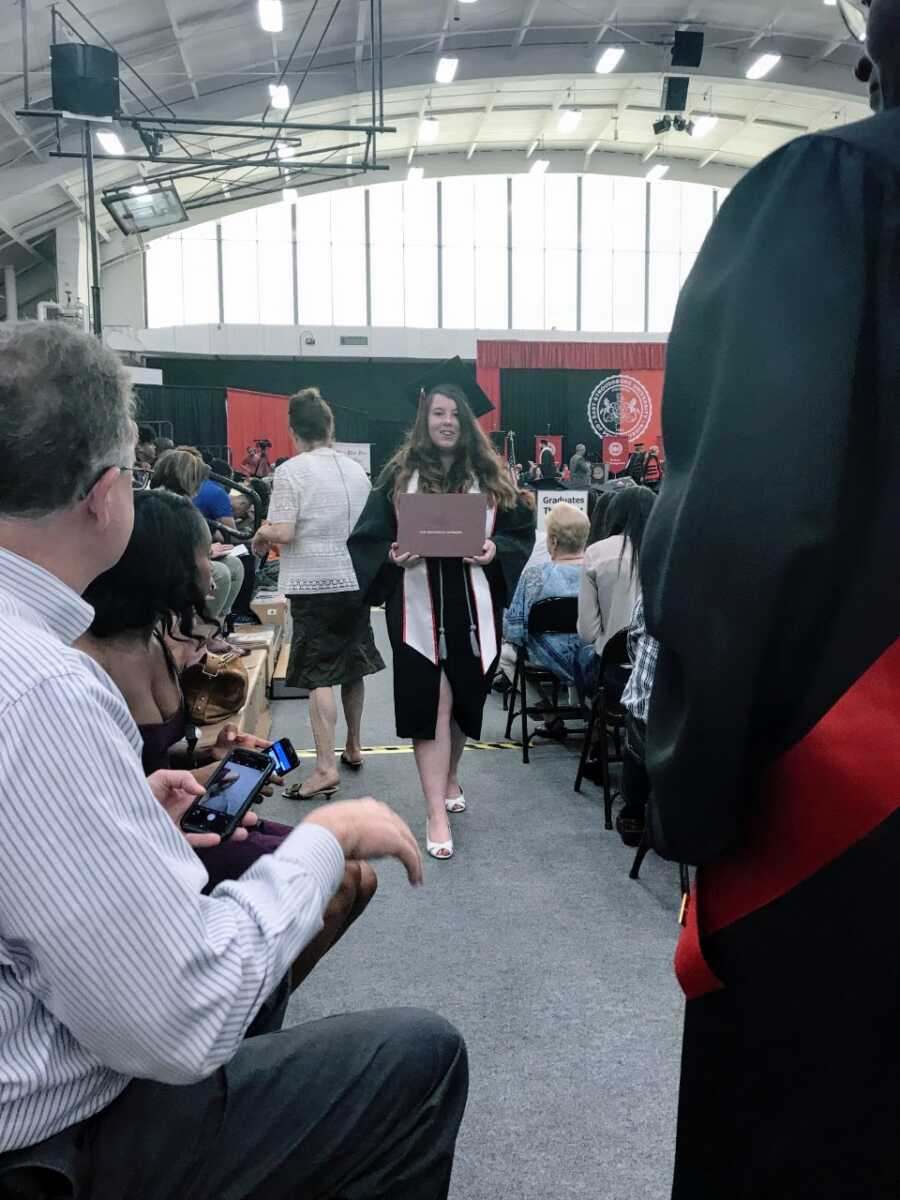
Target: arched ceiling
x=520 y=61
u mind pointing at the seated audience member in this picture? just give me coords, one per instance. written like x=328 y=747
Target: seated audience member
x=146 y=450
x=162 y=445
x=145 y=610
x=567 y=532
x=183 y=472
x=643 y=651
x=610 y=583
x=218 y=466
x=242 y=512
x=122 y=1054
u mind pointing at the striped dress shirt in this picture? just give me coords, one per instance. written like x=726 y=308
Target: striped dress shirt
x=113 y=965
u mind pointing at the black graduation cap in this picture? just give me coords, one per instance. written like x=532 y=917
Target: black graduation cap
x=454 y=370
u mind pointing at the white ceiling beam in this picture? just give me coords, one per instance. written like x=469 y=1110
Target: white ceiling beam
x=751 y=116
x=445 y=29
x=179 y=42
x=528 y=14
x=604 y=29
x=11 y=233
x=362 y=13
x=488 y=109
x=590 y=150
x=81 y=206
x=622 y=107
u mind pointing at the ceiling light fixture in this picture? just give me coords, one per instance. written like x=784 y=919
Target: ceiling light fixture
x=279 y=95
x=271 y=16
x=704 y=125
x=110 y=142
x=446 y=70
x=657 y=172
x=763 y=65
x=569 y=120
x=609 y=60
x=539 y=166
x=416 y=174
x=290 y=195
x=429 y=131
x=139 y=189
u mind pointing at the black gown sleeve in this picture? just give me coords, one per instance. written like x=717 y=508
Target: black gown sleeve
x=771 y=376
x=369 y=543
x=514 y=538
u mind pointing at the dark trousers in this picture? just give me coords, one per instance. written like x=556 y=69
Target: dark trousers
x=635 y=780
x=358 y=1107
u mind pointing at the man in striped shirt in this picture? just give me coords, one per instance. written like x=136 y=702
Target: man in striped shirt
x=125 y=994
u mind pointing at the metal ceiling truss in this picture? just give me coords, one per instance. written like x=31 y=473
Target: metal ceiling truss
x=248 y=158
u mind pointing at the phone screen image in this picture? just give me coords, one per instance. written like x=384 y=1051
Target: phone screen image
x=280 y=757
x=228 y=791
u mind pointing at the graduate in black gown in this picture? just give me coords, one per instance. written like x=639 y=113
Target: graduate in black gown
x=773 y=587
x=443 y=614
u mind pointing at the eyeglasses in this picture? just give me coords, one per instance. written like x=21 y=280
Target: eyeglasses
x=855 y=18
x=140 y=478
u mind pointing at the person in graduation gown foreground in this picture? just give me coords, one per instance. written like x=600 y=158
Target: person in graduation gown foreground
x=774 y=727
x=443 y=614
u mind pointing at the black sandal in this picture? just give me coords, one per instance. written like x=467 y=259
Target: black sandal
x=349 y=762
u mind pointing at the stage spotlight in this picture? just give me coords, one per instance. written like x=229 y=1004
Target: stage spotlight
x=663 y=125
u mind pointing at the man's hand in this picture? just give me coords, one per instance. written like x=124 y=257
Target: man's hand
x=487 y=555
x=176 y=791
x=367 y=829
x=403 y=560
x=260 y=544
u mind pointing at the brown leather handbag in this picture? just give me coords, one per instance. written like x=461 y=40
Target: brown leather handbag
x=215 y=688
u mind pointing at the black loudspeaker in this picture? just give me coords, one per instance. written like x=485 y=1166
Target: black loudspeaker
x=675 y=93
x=85 y=79
x=688 y=49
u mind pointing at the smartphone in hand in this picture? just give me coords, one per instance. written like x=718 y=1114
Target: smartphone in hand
x=230 y=792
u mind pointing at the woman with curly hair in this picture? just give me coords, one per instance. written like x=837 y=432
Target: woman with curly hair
x=443 y=614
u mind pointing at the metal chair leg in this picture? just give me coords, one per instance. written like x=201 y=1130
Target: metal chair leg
x=589 y=741
x=604 y=759
x=511 y=707
x=642 y=852
x=525 y=735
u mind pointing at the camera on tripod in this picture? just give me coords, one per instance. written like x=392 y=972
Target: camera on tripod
x=263 y=443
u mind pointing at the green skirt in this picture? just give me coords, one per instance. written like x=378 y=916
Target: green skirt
x=332 y=641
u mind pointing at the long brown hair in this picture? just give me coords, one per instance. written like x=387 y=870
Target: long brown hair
x=475 y=459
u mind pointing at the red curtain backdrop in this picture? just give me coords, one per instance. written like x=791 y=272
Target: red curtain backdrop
x=573 y=356
x=489 y=382
x=253 y=415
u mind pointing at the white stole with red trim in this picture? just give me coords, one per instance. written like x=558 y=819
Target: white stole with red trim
x=420 y=627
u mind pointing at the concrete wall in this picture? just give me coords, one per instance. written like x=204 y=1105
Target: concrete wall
x=291 y=341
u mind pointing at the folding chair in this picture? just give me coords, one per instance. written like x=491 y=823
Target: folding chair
x=607 y=719
x=557 y=615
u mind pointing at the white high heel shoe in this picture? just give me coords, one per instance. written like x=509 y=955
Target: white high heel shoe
x=456 y=804
x=439 y=850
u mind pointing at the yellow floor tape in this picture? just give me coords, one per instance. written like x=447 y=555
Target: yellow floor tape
x=408 y=749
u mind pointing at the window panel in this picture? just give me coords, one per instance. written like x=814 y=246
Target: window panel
x=314 y=255
x=458 y=259
x=240 y=282
x=665 y=284
x=696 y=216
x=597 y=290
x=630 y=214
x=491 y=288
x=276 y=283
x=628 y=291
x=200 y=264
x=165 y=300
x=348 y=263
x=597 y=213
x=560 y=212
x=528 y=288
x=420 y=254
x=490 y=200
x=561 y=287
x=665 y=217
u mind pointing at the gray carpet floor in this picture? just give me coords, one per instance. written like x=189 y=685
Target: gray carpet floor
x=532 y=941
